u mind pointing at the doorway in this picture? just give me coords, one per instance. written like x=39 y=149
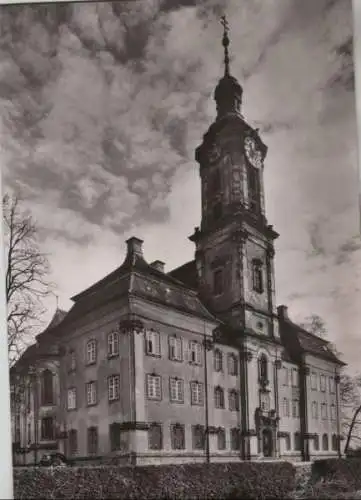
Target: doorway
x=267 y=443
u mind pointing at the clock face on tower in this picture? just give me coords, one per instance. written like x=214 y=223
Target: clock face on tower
x=253 y=154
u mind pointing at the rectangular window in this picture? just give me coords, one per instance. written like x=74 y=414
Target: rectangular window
x=196 y=393
x=218 y=360
x=233 y=400
x=154 y=387
x=257 y=276
x=333 y=412
x=286 y=407
x=114 y=436
x=332 y=385
x=314 y=409
x=221 y=439
x=235 y=439
x=176 y=390
x=195 y=351
x=316 y=443
x=314 y=381
x=73 y=442
x=232 y=364
x=218 y=398
x=295 y=408
x=294 y=377
x=91 y=393
x=92 y=440
x=177 y=436
x=29 y=433
x=297 y=437
x=113 y=344
x=91 y=352
x=323 y=383
x=324 y=411
x=155 y=436
x=285 y=376
x=218 y=282
x=113 y=387
x=175 y=348
x=72 y=398
x=47 y=428
x=72 y=361
x=152 y=341
x=198 y=437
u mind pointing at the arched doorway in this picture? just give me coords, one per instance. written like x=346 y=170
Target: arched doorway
x=267 y=443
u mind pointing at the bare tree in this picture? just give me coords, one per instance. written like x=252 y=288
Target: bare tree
x=27 y=269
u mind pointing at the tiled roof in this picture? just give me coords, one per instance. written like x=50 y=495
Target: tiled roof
x=308 y=342
x=136 y=277
x=187 y=274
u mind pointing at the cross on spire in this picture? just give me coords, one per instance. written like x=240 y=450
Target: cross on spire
x=225 y=43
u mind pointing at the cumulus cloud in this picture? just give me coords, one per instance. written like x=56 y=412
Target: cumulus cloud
x=103 y=104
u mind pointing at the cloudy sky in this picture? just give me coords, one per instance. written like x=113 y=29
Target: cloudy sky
x=102 y=106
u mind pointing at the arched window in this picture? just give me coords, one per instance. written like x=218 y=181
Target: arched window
x=232 y=364
x=316 y=443
x=263 y=368
x=325 y=442
x=218 y=360
x=257 y=276
x=47 y=387
x=219 y=397
x=254 y=190
x=334 y=442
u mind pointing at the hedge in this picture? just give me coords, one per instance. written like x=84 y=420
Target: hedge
x=345 y=470
x=244 y=480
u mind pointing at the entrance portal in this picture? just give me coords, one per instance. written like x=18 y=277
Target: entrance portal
x=267 y=443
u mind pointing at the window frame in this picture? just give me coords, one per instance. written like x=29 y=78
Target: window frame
x=44 y=435
x=221 y=439
x=91 y=353
x=233 y=393
x=199 y=400
x=175 y=346
x=154 y=396
x=198 y=440
x=181 y=428
x=217 y=360
x=257 y=276
x=91 y=384
x=152 y=343
x=152 y=426
x=92 y=432
x=218 y=282
x=176 y=390
x=219 y=392
x=195 y=348
x=113 y=344
x=71 y=392
x=232 y=364
x=115 y=388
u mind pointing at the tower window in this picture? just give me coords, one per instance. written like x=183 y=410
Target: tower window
x=257 y=276
x=217 y=210
x=254 y=191
x=263 y=368
x=218 y=282
x=215 y=183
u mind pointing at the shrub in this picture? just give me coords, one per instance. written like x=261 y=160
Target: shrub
x=228 y=481
x=343 y=470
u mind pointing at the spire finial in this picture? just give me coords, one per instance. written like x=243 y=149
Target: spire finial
x=225 y=43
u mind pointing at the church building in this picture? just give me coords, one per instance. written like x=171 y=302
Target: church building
x=193 y=365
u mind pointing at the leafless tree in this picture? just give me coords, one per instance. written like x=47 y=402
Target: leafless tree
x=27 y=270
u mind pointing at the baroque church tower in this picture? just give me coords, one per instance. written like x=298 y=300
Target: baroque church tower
x=234 y=243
